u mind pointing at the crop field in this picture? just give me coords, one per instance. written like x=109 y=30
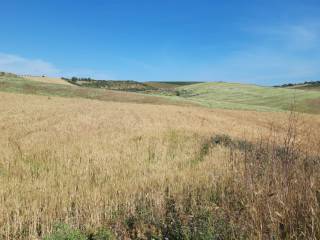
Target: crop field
x=45 y=79
x=232 y=96
x=160 y=120
x=130 y=166
x=250 y=97
x=16 y=84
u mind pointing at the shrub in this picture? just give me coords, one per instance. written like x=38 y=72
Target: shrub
x=65 y=232
x=223 y=139
x=101 y=234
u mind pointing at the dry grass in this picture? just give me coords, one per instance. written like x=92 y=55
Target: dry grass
x=48 y=80
x=90 y=163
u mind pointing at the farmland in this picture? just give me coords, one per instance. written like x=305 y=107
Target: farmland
x=233 y=96
x=313 y=86
x=16 y=84
x=160 y=120
x=44 y=79
x=250 y=97
x=123 y=165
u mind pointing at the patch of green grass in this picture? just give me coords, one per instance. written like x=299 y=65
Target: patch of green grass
x=250 y=97
x=65 y=232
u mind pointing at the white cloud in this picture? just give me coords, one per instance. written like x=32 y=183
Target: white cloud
x=20 y=65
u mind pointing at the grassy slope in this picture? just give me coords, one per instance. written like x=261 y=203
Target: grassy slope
x=215 y=95
x=168 y=85
x=20 y=85
x=47 y=80
x=312 y=87
x=251 y=97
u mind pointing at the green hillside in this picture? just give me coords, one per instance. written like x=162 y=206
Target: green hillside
x=213 y=95
x=312 y=87
x=168 y=85
x=307 y=85
x=14 y=84
x=250 y=97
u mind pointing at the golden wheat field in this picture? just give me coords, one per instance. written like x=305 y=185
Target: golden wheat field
x=45 y=79
x=89 y=164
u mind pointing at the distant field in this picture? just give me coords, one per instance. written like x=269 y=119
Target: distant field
x=213 y=95
x=250 y=97
x=168 y=85
x=47 y=80
x=312 y=87
x=127 y=85
x=21 y=85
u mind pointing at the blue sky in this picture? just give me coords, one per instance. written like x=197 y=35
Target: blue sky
x=262 y=42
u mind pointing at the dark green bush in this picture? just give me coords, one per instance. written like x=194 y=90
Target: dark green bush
x=223 y=139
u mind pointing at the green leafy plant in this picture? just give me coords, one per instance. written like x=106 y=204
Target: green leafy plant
x=65 y=232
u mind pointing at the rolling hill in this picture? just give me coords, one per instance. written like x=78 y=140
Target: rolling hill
x=168 y=85
x=15 y=84
x=250 y=97
x=233 y=96
x=312 y=87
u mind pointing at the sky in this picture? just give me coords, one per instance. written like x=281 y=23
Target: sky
x=248 y=41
